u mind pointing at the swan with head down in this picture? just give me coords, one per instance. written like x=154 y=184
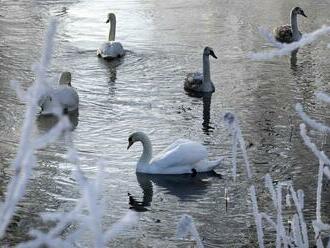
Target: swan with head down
x=63 y=99
x=201 y=83
x=111 y=49
x=181 y=157
x=290 y=32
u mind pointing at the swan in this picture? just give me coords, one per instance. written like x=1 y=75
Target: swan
x=181 y=157
x=290 y=33
x=64 y=98
x=197 y=82
x=111 y=49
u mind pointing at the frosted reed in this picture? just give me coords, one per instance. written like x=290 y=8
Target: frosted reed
x=25 y=159
x=270 y=38
x=257 y=217
x=298 y=202
x=319 y=154
x=323 y=97
x=237 y=138
x=286 y=49
x=312 y=123
x=187 y=227
x=86 y=216
x=327 y=172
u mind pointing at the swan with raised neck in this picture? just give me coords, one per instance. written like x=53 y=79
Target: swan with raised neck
x=147 y=146
x=111 y=49
x=195 y=82
x=112 y=31
x=290 y=33
x=181 y=157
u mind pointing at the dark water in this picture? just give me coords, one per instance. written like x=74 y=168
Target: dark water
x=144 y=91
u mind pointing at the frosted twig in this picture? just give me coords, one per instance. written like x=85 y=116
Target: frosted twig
x=306 y=38
x=185 y=227
x=270 y=37
x=270 y=186
x=268 y=218
x=128 y=221
x=319 y=154
x=323 y=97
x=25 y=160
x=257 y=216
x=314 y=124
x=297 y=235
x=327 y=172
x=302 y=223
x=231 y=122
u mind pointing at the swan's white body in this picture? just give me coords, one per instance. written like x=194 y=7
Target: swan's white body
x=290 y=33
x=181 y=157
x=198 y=82
x=111 y=49
x=60 y=100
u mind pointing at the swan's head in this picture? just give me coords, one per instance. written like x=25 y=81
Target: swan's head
x=134 y=137
x=111 y=17
x=65 y=78
x=209 y=51
x=298 y=11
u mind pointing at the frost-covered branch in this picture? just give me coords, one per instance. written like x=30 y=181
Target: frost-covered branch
x=232 y=123
x=25 y=159
x=187 y=227
x=286 y=49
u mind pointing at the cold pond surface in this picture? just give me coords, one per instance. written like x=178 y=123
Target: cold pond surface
x=144 y=91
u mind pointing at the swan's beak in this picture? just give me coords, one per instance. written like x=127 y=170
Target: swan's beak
x=107 y=21
x=130 y=143
x=213 y=55
x=303 y=14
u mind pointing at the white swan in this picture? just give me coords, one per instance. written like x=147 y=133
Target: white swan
x=197 y=82
x=111 y=49
x=181 y=157
x=290 y=33
x=63 y=99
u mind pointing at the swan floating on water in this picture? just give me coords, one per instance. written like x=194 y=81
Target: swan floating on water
x=197 y=82
x=181 y=157
x=290 y=33
x=64 y=98
x=111 y=49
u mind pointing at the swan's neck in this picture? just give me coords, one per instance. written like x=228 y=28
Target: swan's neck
x=294 y=26
x=207 y=84
x=147 y=151
x=112 y=33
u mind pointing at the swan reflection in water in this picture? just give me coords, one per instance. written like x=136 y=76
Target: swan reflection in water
x=111 y=67
x=293 y=59
x=46 y=122
x=185 y=186
x=206 y=97
x=206 y=113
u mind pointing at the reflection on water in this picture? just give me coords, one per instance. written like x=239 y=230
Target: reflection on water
x=206 y=113
x=293 y=59
x=46 y=122
x=182 y=186
x=144 y=91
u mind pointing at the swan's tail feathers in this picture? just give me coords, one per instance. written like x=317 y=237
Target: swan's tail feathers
x=214 y=164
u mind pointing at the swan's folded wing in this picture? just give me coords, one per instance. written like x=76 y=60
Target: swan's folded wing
x=67 y=97
x=182 y=152
x=193 y=81
x=283 y=33
x=111 y=49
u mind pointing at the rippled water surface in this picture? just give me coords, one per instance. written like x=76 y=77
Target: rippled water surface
x=144 y=91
